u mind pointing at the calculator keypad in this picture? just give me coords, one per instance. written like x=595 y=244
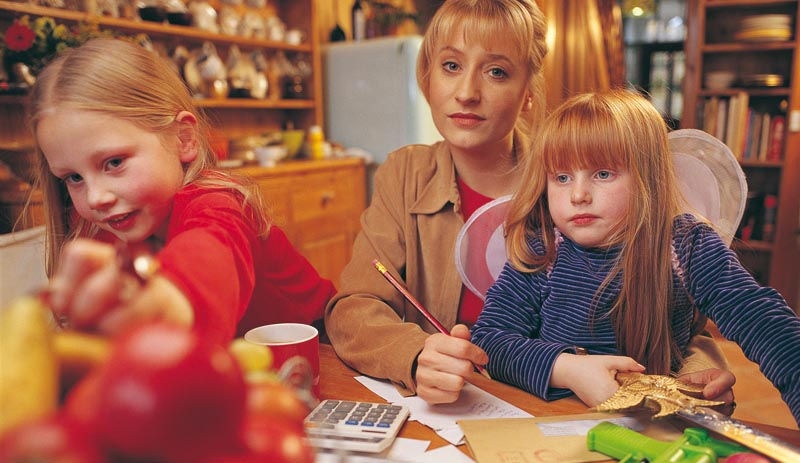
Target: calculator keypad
x=354 y=426
x=344 y=414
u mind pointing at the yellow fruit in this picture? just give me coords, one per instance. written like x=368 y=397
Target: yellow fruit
x=78 y=352
x=28 y=366
x=251 y=357
x=261 y=376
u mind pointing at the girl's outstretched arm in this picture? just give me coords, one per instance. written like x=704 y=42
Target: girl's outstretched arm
x=91 y=292
x=590 y=377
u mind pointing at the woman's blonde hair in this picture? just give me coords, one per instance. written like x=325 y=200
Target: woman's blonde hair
x=122 y=80
x=617 y=128
x=484 y=21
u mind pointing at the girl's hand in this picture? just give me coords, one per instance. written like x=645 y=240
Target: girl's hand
x=91 y=292
x=444 y=363
x=591 y=377
x=718 y=386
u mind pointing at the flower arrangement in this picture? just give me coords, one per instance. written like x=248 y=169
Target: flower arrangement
x=35 y=42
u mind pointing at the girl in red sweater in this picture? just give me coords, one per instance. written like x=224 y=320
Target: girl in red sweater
x=124 y=159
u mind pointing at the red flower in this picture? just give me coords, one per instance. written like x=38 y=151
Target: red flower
x=19 y=37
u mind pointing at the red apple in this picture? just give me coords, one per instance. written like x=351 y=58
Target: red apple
x=53 y=439
x=275 y=441
x=166 y=394
x=277 y=401
x=80 y=403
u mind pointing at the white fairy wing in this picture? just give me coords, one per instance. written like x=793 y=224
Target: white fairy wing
x=710 y=178
x=480 y=246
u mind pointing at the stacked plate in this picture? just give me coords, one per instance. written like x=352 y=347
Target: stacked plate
x=765 y=28
x=762 y=80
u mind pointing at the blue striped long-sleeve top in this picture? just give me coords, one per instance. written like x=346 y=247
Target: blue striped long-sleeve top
x=530 y=318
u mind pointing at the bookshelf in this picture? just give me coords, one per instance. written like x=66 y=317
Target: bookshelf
x=742 y=85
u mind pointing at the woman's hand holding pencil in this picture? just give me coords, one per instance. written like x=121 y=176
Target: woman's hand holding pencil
x=414 y=302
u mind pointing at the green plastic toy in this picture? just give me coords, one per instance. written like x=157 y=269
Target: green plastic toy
x=627 y=446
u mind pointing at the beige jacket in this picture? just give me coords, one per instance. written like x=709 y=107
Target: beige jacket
x=411 y=227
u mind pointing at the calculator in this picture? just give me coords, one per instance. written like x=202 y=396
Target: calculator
x=354 y=426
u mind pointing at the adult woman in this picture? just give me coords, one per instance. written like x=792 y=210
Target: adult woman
x=480 y=67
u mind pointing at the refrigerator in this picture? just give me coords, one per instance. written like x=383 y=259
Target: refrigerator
x=372 y=100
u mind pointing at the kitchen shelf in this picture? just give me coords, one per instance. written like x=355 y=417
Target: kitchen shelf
x=235 y=117
x=164 y=30
x=777 y=92
x=740 y=47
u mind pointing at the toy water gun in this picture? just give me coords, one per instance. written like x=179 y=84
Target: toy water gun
x=627 y=446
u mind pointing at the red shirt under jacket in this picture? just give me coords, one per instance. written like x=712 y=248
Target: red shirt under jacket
x=471 y=305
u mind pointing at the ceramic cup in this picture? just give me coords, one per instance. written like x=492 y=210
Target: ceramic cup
x=287 y=341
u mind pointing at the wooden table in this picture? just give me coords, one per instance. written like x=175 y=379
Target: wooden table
x=337 y=382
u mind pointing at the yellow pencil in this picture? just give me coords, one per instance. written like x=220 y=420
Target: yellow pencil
x=410 y=298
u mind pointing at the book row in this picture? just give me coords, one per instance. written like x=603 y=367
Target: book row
x=752 y=134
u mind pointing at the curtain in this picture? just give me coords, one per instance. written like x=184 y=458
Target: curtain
x=586 y=53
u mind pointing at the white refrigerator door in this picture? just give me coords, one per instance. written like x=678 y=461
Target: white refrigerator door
x=371 y=96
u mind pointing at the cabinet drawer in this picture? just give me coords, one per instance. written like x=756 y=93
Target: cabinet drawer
x=275 y=194
x=323 y=195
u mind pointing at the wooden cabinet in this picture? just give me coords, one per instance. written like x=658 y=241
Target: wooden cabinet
x=318 y=204
x=724 y=36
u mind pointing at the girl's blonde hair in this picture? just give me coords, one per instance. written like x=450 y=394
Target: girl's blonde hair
x=486 y=21
x=122 y=80
x=611 y=129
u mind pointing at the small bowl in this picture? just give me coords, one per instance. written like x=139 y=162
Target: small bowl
x=719 y=80
x=268 y=156
x=293 y=140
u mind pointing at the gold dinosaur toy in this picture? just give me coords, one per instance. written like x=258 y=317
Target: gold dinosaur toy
x=664 y=392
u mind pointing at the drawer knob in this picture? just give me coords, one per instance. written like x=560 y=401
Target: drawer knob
x=327 y=197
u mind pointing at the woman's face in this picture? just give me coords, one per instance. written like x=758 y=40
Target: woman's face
x=120 y=177
x=476 y=93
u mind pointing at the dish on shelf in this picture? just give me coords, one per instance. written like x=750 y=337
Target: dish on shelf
x=763 y=35
x=719 y=80
x=761 y=80
x=765 y=27
x=766 y=20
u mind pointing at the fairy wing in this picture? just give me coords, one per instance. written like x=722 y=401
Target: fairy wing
x=710 y=178
x=480 y=246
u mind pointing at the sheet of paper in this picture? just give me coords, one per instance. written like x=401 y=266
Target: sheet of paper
x=552 y=438
x=447 y=453
x=402 y=450
x=473 y=403
x=405 y=449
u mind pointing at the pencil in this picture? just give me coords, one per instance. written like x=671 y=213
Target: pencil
x=410 y=298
